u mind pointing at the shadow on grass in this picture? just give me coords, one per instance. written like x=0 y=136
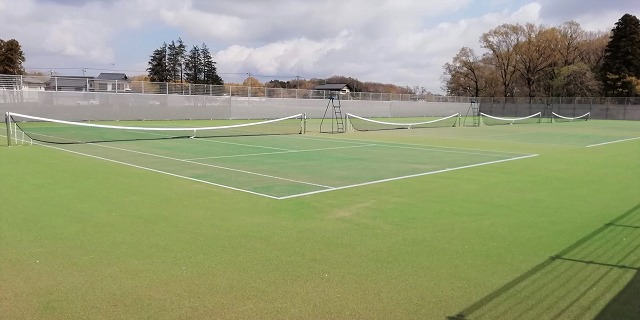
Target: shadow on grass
x=598 y=277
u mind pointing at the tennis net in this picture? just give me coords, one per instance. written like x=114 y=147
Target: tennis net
x=365 y=124
x=493 y=121
x=22 y=127
x=559 y=118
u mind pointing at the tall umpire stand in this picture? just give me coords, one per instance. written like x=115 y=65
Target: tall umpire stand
x=474 y=113
x=334 y=121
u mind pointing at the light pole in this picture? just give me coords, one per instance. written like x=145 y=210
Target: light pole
x=181 y=68
x=249 y=83
x=181 y=71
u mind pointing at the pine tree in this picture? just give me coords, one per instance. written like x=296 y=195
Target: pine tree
x=621 y=64
x=11 y=57
x=210 y=73
x=193 y=66
x=158 y=65
x=175 y=60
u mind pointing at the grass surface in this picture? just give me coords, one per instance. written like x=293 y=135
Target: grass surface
x=84 y=238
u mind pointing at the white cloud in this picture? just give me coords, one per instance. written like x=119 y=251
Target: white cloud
x=281 y=58
x=405 y=42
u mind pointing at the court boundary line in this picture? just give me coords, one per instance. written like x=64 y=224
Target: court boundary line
x=327 y=188
x=612 y=142
x=408 y=176
x=211 y=166
x=398 y=144
x=281 y=152
x=162 y=172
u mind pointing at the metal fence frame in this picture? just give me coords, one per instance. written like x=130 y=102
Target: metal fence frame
x=618 y=108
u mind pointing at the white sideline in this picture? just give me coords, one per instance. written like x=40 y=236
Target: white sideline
x=162 y=172
x=281 y=152
x=212 y=166
x=327 y=188
x=406 y=177
x=611 y=142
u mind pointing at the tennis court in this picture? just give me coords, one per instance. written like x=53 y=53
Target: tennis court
x=272 y=159
x=424 y=223
x=285 y=166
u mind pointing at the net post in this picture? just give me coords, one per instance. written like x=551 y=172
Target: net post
x=304 y=123
x=7 y=123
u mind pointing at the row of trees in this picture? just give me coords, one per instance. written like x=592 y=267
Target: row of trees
x=172 y=63
x=355 y=84
x=534 y=60
x=11 y=57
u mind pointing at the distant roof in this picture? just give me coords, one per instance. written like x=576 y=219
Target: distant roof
x=76 y=82
x=34 y=80
x=333 y=87
x=112 y=76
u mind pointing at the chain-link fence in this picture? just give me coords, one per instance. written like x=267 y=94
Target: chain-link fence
x=611 y=108
x=61 y=91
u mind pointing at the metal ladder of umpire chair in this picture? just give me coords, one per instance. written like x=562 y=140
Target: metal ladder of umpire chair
x=474 y=109
x=337 y=120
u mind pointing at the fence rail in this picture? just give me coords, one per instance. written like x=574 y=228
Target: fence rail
x=26 y=89
x=87 y=84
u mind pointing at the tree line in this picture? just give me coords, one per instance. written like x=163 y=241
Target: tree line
x=355 y=84
x=538 y=61
x=172 y=63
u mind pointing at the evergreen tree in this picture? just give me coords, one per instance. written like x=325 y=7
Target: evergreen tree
x=11 y=57
x=621 y=64
x=209 y=70
x=171 y=63
x=158 y=65
x=193 y=66
x=176 y=52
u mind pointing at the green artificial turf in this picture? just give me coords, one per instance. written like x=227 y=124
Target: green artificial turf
x=85 y=238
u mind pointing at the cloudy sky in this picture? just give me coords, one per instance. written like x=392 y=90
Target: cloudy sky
x=404 y=42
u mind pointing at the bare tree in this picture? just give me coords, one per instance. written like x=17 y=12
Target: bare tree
x=501 y=43
x=537 y=55
x=464 y=74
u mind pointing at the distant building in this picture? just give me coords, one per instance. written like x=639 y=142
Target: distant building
x=111 y=82
x=69 y=84
x=30 y=83
x=342 y=88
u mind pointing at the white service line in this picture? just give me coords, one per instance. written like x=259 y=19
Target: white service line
x=281 y=152
x=159 y=171
x=405 y=177
x=207 y=165
x=240 y=144
x=611 y=142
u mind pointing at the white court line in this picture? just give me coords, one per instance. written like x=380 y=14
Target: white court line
x=405 y=177
x=240 y=144
x=159 y=171
x=327 y=188
x=281 y=152
x=417 y=146
x=440 y=150
x=212 y=166
x=611 y=142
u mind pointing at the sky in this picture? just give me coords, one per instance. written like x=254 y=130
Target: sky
x=402 y=42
